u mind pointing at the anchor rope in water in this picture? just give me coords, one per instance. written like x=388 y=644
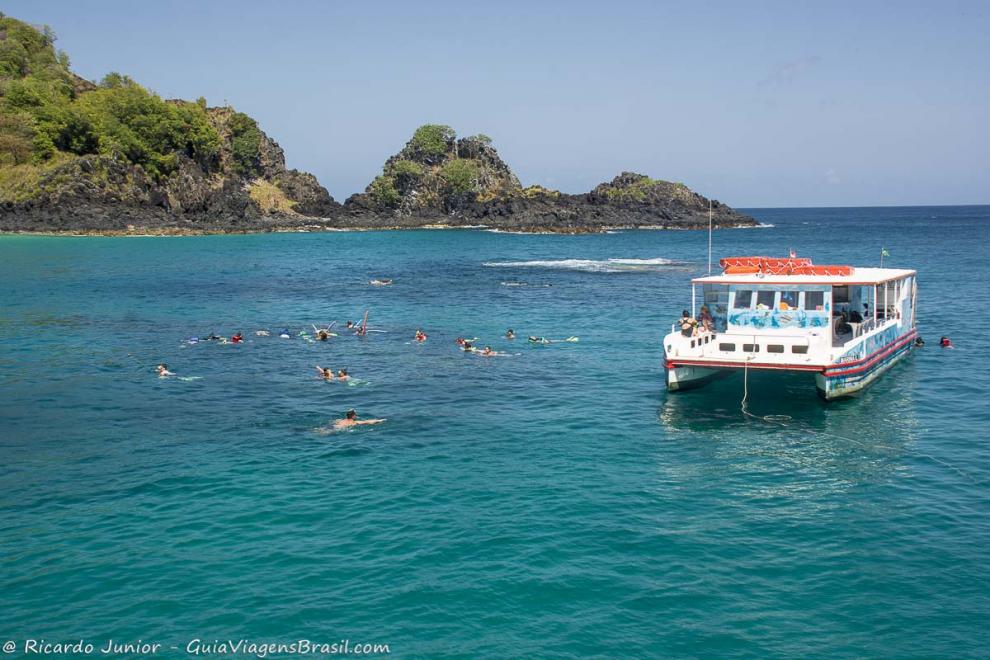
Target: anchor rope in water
x=780 y=419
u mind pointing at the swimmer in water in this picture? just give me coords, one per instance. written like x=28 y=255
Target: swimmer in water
x=468 y=347
x=325 y=374
x=262 y=333
x=237 y=338
x=420 y=335
x=342 y=375
x=284 y=334
x=213 y=337
x=350 y=325
x=322 y=335
x=162 y=371
x=488 y=352
x=945 y=342
x=510 y=334
x=539 y=340
x=382 y=282
x=351 y=419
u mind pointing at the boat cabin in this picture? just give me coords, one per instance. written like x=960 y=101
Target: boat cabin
x=796 y=308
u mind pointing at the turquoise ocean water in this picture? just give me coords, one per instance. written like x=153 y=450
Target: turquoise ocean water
x=553 y=503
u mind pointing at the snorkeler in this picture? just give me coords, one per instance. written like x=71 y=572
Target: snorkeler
x=162 y=371
x=362 y=330
x=539 y=340
x=237 y=338
x=322 y=335
x=467 y=346
x=284 y=334
x=420 y=335
x=380 y=282
x=213 y=337
x=342 y=375
x=488 y=352
x=510 y=334
x=351 y=419
x=262 y=333
x=325 y=373
x=945 y=342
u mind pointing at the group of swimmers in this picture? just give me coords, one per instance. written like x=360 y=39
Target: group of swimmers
x=341 y=375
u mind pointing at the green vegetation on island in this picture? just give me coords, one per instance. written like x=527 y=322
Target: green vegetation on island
x=111 y=156
x=67 y=142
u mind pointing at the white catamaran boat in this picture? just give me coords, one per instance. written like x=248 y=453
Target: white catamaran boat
x=845 y=325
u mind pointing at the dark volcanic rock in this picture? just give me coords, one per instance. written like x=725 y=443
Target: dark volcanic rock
x=437 y=179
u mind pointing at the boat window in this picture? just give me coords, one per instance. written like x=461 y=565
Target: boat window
x=726 y=347
x=788 y=300
x=764 y=299
x=799 y=349
x=840 y=294
x=814 y=300
x=744 y=300
x=775 y=348
x=751 y=348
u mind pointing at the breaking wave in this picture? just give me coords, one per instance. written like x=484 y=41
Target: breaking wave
x=591 y=265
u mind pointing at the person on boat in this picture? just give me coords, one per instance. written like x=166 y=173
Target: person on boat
x=945 y=342
x=420 y=335
x=705 y=319
x=866 y=311
x=688 y=324
x=325 y=373
x=162 y=370
x=351 y=419
x=237 y=338
x=842 y=326
x=510 y=334
x=342 y=375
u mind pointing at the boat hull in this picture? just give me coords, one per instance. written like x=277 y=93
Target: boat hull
x=846 y=380
x=684 y=378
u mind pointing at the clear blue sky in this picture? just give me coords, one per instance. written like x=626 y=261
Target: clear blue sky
x=756 y=104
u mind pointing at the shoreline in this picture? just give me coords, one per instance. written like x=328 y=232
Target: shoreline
x=166 y=232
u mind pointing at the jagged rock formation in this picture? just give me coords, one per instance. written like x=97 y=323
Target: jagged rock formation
x=113 y=157
x=79 y=156
x=439 y=179
x=436 y=175
x=629 y=200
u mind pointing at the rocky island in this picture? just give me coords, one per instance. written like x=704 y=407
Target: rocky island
x=113 y=157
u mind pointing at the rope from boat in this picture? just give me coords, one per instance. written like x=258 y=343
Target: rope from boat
x=770 y=419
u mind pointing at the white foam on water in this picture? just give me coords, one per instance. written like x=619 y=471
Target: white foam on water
x=591 y=265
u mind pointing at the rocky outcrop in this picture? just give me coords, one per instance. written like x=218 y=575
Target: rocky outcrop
x=436 y=175
x=439 y=179
x=114 y=156
x=104 y=193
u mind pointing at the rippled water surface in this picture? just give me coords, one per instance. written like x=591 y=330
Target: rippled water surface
x=554 y=502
